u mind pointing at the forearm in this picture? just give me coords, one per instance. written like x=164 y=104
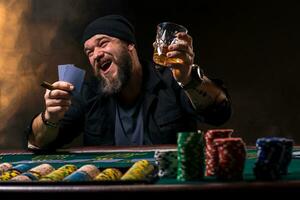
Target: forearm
x=41 y=134
x=210 y=100
x=205 y=94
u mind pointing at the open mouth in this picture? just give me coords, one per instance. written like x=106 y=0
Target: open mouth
x=105 y=66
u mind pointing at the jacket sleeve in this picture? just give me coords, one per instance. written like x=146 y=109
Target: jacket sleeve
x=214 y=114
x=218 y=113
x=70 y=127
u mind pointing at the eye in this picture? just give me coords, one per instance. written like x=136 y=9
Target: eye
x=88 y=52
x=103 y=43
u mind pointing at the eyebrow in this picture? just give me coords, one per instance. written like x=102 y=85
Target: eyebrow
x=97 y=40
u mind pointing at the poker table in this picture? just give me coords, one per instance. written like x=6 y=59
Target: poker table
x=123 y=158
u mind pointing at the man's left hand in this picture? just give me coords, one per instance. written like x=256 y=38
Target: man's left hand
x=183 y=49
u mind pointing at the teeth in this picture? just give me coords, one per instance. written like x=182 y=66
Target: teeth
x=104 y=64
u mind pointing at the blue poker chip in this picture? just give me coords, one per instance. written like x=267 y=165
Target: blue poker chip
x=274 y=155
x=77 y=176
x=266 y=171
x=22 y=168
x=30 y=175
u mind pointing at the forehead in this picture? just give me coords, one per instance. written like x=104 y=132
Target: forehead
x=96 y=38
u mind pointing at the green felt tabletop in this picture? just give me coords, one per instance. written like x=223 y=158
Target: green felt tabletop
x=124 y=160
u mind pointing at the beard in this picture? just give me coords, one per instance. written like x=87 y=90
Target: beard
x=111 y=85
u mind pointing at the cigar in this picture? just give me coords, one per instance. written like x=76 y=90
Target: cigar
x=47 y=85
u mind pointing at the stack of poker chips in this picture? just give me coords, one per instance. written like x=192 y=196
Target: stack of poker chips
x=84 y=173
x=35 y=173
x=190 y=147
x=274 y=155
x=140 y=170
x=109 y=174
x=231 y=158
x=60 y=173
x=166 y=160
x=211 y=152
x=14 y=171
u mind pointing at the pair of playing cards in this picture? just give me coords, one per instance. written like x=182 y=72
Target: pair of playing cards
x=71 y=74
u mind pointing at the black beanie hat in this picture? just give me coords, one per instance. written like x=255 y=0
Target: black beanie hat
x=112 y=25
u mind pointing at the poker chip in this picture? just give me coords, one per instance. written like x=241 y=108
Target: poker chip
x=14 y=171
x=84 y=173
x=190 y=155
x=35 y=173
x=166 y=160
x=23 y=178
x=26 y=176
x=274 y=155
x=5 y=167
x=109 y=174
x=60 y=173
x=211 y=154
x=231 y=158
x=140 y=170
x=287 y=157
x=41 y=170
x=91 y=170
x=77 y=176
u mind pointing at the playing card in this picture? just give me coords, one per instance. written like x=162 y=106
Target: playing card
x=62 y=70
x=72 y=74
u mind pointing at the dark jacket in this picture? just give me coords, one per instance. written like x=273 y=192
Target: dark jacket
x=166 y=108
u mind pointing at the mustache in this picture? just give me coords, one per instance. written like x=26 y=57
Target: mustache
x=100 y=60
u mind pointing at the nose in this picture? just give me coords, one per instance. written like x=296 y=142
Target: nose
x=98 y=54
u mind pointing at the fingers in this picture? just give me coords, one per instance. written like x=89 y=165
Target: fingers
x=55 y=98
x=187 y=58
x=185 y=37
x=181 y=45
x=182 y=48
x=57 y=94
x=57 y=111
x=62 y=90
x=58 y=101
x=63 y=86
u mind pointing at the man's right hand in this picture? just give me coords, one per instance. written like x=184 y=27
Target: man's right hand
x=58 y=101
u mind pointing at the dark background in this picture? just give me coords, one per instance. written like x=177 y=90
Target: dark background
x=252 y=46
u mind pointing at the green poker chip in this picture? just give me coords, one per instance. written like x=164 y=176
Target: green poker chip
x=190 y=148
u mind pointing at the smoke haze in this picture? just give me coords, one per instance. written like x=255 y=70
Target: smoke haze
x=30 y=53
